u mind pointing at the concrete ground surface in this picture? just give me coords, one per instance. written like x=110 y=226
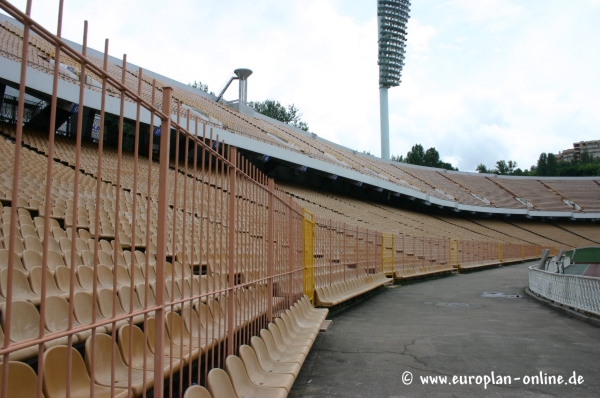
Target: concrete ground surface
x=451 y=327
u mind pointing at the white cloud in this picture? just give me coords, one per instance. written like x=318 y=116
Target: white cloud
x=419 y=35
x=497 y=14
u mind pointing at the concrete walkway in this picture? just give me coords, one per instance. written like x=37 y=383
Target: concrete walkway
x=449 y=327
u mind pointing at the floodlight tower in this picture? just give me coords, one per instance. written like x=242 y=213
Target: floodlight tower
x=392 y=17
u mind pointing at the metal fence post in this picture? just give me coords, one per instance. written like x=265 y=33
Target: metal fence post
x=270 y=249
x=163 y=207
x=233 y=169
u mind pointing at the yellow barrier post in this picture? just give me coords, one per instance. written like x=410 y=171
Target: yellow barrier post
x=387 y=253
x=308 y=254
x=453 y=246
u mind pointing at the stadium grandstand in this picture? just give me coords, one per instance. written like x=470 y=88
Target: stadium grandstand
x=155 y=241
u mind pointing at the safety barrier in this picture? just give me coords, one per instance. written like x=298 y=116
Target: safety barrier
x=580 y=292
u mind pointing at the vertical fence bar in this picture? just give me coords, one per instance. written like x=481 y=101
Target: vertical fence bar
x=232 y=170
x=161 y=245
x=270 y=248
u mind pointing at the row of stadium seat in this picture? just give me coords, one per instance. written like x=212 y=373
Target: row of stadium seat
x=269 y=366
x=337 y=293
x=135 y=352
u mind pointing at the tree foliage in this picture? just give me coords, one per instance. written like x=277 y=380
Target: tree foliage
x=199 y=86
x=419 y=156
x=549 y=166
x=274 y=109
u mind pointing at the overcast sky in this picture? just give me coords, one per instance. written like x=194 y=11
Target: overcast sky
x=484 y=80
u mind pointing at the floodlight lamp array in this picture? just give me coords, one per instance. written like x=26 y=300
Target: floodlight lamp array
x=393 y=17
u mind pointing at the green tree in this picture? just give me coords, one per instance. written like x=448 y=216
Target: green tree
x=416 y=155
x=419 y=156
x=274 y=109
x=481 y=168
x=551 y=165
x=542 y=165
x=432 y=158
x=501 y=167
x=586 y=158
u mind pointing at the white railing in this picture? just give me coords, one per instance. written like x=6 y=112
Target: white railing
x=580 y=292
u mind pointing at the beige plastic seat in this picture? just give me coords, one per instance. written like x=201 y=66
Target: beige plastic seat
x=123 y=292
x=135 y=273
x=28 y=230
x=141 y=258
x=19 y=246
x=85 y=276
x=106 y=276
x=181 y=338
x=35 y=278
x=32 y=259
x=196 y=392
x=57 y=318
x=145 y=294
x=261 y=377
x=22 y=380
x=55 y=376
x=295 y=330
x=288 y=338
x=67 y=257
x=87 y=256
x=102 y=360
x=63 y=279
x=83 y=309
x=25 y=325
x=149 y=273
x=276 y=353
x=55 y=260
x=310 y=322
x=268 y=363
x=127 y=256
x=84 y=234
x=122 y=275
x=105 y=245
x=33 y=243
x=105 y=258
x=170 y=351
x=39 y=222
x=63 y=241
x=52 y=244
x=105 y=302
x=4 y=261
x=219 y=384
x=132 y=337
x=25 y=219
x=283 y=346
x=216 y=308
x=207 y=322
x=242 y=384
x=59 y=233
x=21 y=289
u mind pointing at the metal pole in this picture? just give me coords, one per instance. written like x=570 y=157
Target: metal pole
x=385 y=123
x=161 y=242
